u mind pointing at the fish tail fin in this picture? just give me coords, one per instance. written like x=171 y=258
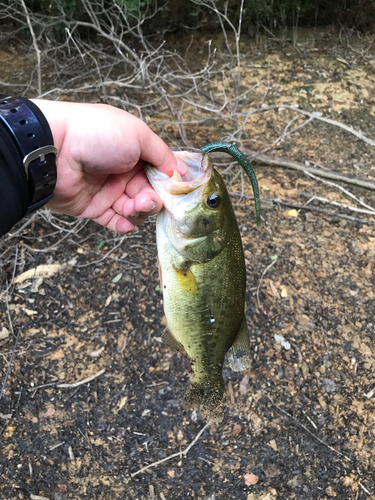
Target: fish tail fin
x=208 y=399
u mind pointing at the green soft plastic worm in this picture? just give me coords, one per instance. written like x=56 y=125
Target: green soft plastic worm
x=231 y=149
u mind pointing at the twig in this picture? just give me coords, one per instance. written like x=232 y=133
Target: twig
x=339 y=204
x=364 y=489
x=174 y=455
x=104 y=256
x=308 y=430
x=35 y=43
x=81 y=382
x=12 y=356
x=261 y=278
x=328 y=174
x=329 y=121
x=312 y=208
x=348 y=193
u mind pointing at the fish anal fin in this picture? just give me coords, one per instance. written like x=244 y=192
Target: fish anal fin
x=238 y=356
x=169 y=339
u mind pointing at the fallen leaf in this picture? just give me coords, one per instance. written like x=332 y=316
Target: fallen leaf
x=274 y=291
x=293 y=213
x=284 y=292
x=95 y=354
x=30 y=312
x=42 y=271
x=117 y=278
x=284 y=343
x=180 y=436
x=120 y=404
x=244 y=384
x=236 y=430
x=251 y=479
x=51 y=411
x=4 y=333
x=273 y=444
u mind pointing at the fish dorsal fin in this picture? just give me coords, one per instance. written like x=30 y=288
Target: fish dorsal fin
x=238 y=356
x=169 y=339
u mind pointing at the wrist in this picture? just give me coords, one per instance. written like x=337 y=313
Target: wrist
x=30 y=133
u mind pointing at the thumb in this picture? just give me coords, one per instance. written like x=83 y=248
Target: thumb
x=155 y=151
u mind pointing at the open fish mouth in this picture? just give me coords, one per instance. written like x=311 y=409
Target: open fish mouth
x=197 y=175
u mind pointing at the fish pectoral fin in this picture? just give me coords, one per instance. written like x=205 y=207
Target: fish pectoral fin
x=238 y=356
x=169 y=339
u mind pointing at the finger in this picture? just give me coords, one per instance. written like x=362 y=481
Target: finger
x=115 y=222
x=155 y=151
x=146 y=199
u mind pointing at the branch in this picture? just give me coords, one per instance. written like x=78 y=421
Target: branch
x=328 y=174
x=174 y=455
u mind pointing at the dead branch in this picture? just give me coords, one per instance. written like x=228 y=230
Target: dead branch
x=81 y=382
x=316 y=116
x=311 y=208
x=293 y=165
x=174 y=455
x=308 y=430
x=35 y=44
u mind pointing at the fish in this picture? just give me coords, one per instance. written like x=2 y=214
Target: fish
x=202 y=276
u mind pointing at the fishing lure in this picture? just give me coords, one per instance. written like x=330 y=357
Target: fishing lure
x=231 y=149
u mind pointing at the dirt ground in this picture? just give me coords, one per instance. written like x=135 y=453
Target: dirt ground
x=300 y=424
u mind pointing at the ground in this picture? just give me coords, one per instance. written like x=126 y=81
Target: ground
x=300 y=424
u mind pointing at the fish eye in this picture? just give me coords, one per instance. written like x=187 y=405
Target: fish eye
x=213 y=201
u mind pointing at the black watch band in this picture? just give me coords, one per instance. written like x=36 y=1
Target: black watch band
x=39 y=155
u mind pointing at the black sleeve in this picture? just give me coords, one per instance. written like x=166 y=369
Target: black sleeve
x=14 y=189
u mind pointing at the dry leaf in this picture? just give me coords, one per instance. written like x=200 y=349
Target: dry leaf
x=236 y=430
x=275 y=293
x=30 y=312
x=180 y=436
x=4 y=333
x=95 y=354
x=51 y=411
x=273 y=444
x=42 y=271
x=243 y=385
x=120 y=404
x=251 y=479
x=291 y=213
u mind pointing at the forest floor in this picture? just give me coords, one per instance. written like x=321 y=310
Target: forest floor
x=300 y=424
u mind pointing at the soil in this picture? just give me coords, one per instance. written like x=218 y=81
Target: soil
x=300 y=424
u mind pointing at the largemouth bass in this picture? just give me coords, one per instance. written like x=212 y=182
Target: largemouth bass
x=202 y=276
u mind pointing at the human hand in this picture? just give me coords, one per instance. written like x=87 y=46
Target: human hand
x=99 y=165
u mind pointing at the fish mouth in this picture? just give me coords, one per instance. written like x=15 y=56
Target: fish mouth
x=197 y=175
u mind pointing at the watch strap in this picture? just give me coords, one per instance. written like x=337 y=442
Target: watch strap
x=34 y=144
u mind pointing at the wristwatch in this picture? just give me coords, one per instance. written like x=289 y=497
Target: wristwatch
x=31 y=133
